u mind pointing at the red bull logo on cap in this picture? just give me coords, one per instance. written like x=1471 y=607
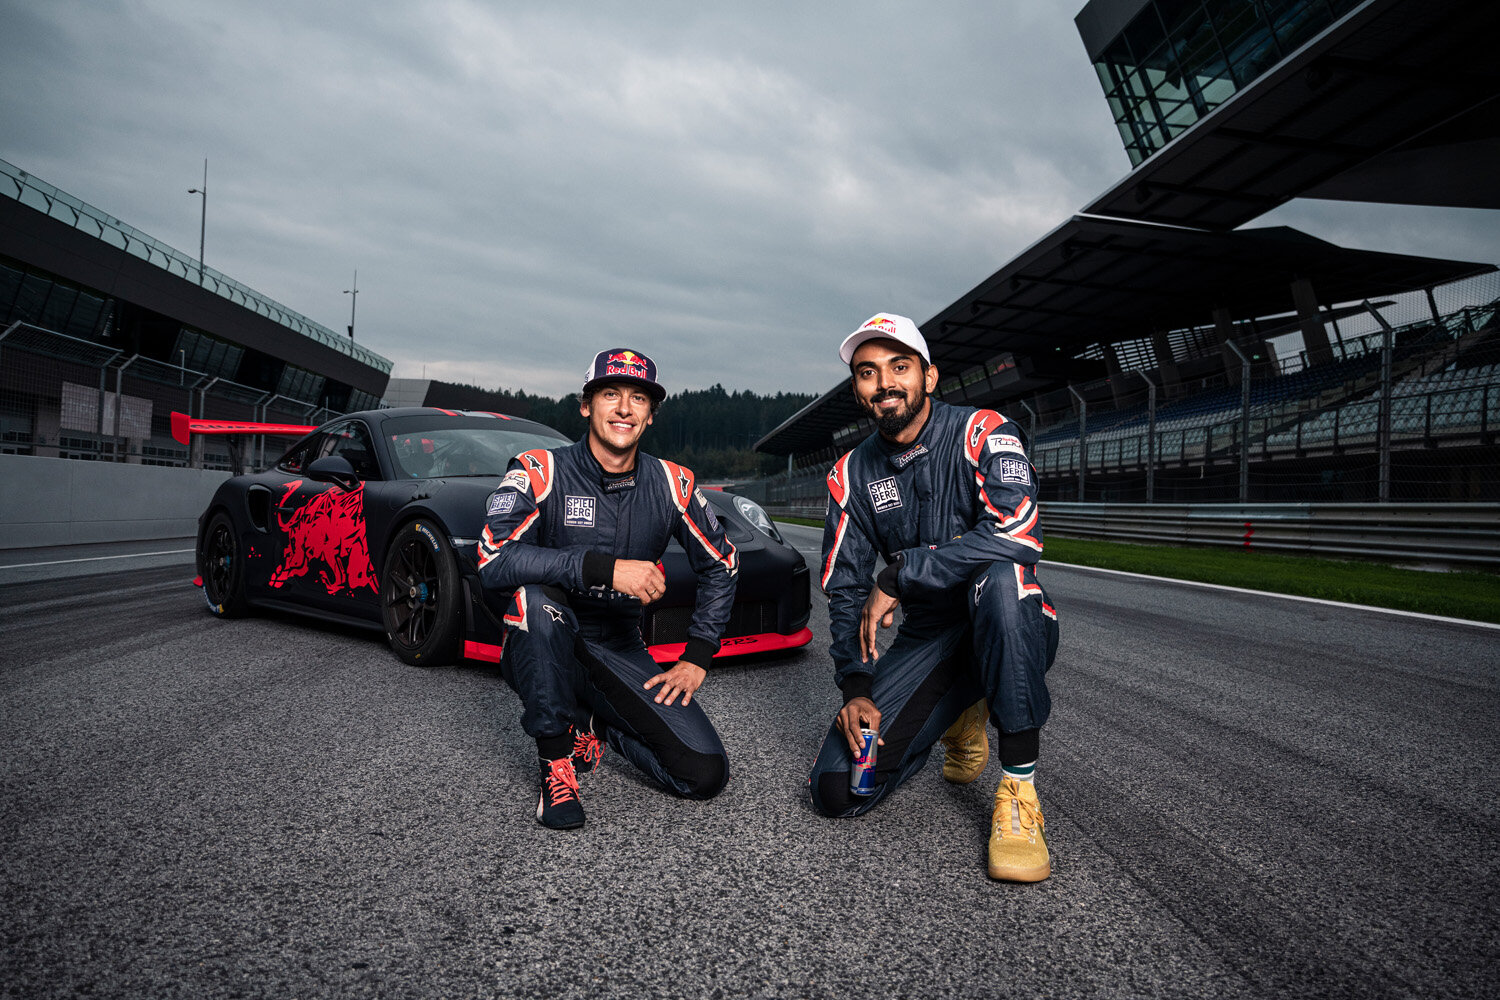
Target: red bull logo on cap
x=887 y=325
x=626 y=363
x=623 y=363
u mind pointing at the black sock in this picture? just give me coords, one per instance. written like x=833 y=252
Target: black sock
x=554 y=747
x=1020 y=748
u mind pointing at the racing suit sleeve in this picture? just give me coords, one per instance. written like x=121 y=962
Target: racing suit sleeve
x=1007 y=526
x=848 y=560
x=712 y=557
x=510 y=550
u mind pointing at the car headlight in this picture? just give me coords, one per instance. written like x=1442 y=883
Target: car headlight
x=752 y=512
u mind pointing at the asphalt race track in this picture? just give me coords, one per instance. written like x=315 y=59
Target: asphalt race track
x=1246 y=797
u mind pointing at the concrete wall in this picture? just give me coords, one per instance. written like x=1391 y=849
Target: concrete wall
x=59 y=501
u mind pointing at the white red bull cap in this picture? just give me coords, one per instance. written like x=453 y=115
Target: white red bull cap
x=888 y=326
x=621 y=364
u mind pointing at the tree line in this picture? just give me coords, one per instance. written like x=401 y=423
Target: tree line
x=711 y=431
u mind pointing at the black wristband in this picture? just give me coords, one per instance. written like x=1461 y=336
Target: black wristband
x=598 y=569
x=699 y=651
x=857 y=686
x=889 y=579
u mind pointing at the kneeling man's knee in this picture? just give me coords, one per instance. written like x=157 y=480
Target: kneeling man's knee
x=701 y=775
x=830 y=794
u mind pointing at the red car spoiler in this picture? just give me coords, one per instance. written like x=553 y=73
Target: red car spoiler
x=184 y=426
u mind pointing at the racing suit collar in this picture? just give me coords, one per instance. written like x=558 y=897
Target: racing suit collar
x=901 y=455
x=611 y=481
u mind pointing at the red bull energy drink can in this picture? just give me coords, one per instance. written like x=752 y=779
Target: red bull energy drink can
x=862 y=770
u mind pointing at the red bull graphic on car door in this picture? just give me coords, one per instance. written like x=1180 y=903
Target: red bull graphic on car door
x=326 y=536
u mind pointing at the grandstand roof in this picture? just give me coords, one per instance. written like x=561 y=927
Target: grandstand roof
x=1095 y=280
x=1098 y=281
x=1397 y=102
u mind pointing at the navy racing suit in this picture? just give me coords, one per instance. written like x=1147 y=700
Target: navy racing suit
x=573 y=646
x=954 y=517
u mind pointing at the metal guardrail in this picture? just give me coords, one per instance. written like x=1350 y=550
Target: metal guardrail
x=816 y=513
x=1463 y=535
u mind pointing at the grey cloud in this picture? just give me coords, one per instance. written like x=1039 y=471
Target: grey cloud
x=730 y=188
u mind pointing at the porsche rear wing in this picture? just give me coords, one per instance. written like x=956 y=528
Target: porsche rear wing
x=184 y=427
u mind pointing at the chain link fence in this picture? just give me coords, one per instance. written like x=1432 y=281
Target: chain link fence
x=62 y=397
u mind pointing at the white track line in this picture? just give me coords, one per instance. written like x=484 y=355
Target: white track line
x=63 y=562
x=1270 y=593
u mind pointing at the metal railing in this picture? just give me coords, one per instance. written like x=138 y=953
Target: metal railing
x=1459 y=535
x=1409 y=413
x=1447 y=534
x=1406 y=410
x=61 y=397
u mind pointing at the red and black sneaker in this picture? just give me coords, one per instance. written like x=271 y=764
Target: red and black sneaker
x=557 y=806
x=588 y=749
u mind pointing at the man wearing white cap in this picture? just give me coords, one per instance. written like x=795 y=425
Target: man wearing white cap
x=947 y=497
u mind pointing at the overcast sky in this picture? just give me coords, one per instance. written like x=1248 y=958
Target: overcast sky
x=729 y=190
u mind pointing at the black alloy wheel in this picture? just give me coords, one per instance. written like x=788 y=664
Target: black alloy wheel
x=222 y=567
x=420 y=596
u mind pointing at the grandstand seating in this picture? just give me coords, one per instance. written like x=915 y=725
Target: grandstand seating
x=1334 y=404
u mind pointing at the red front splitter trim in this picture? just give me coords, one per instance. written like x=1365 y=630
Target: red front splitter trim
x=485 y=651
x=739 y=645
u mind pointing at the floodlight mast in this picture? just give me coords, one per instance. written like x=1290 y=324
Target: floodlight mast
x=202 y=217
x=353 y=293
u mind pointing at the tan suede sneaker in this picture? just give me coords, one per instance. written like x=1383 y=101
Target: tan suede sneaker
x=968 y=745
x=1018 y=843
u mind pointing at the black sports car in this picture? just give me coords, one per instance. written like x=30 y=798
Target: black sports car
x=374 y=518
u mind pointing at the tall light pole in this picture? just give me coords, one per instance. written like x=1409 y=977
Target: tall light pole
x=202 y=217
x=353 y=293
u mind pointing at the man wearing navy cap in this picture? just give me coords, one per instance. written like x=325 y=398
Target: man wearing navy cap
x=946 y=496
x=575 y=535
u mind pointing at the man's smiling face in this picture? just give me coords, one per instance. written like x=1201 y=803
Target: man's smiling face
x=618 y=414
x=890 y=383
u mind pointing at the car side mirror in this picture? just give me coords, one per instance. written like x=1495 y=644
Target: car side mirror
x=334 y=469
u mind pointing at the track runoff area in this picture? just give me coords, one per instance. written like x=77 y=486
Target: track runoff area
x=1245 y=796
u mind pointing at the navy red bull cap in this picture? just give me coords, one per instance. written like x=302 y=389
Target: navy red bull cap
x=621 y=364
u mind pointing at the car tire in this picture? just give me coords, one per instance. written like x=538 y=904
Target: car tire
x=421 y=596
x=221 y=565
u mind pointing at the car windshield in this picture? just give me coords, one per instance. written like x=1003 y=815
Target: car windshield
x=431 y=447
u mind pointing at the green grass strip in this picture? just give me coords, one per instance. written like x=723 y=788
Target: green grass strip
x=1468 y=595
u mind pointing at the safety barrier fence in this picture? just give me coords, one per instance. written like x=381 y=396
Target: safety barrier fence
x=1407 y=412
x=1444 y=534
x=62 y=397
x=1406 y=408
x=1457 y=535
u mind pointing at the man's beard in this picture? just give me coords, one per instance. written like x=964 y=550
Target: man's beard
x=893 y=422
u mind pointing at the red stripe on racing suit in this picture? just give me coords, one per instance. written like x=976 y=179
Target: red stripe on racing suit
x=838 y=493
x=554 y=508
x=959 y=498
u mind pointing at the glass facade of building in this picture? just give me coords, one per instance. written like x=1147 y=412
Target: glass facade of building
x=38 y=194
x=1177 y=60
